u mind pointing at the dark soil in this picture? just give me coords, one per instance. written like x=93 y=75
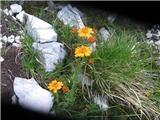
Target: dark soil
x=10 y=68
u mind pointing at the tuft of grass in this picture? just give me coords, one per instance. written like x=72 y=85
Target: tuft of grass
x=120 y=71
x=29 y=57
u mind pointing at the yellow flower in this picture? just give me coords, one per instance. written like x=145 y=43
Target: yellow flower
x=85 y=32
x=55 y=86
x=148 y=93
x=83 y=51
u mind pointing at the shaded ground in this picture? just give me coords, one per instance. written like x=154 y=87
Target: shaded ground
x=10 y=68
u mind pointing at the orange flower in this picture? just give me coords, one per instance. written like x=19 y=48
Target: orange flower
x=65 y=89
x=94 y=30
x=91 y=61
x=55 y=86
x=74 y=30
x=85 y=32
x=92 y=39
x=83 y=51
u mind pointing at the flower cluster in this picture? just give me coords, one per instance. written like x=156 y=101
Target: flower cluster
x=55 y=86
x=86 y=33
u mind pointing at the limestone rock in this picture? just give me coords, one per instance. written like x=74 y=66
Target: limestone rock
x=149 y=34
x=11 y=38
x=104 y=33
x=1 y=59
x=6 y=11
x=1 y=44
x=32 y=96
x=38 y=29
x=93 y=46
x=158 y=44
x=86 y=80
x=101 y=101
x=18 y=45
x=111 y=18
x=21 y=16
x=15 y=8
x=51 y=54
x=4 y=39
x=69 y=16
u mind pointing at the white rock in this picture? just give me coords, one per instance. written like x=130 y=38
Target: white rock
x=149 y=34
x=32 y=96
x=79 y=12
x=70 y=16
x=17 y=45
x=0 y=38
x=1 y=44
x=93 y=46
x=1 y=59
x=17 y=39
x=101 y=101
x=21 y=16
x=6 y=11
x=15 y=8
x=158 y=44
x=111 y=18
x=11 y=39
x=86 y=80
x=6 y=19
x=10 y=12
x=38 y=29
x=104 y=33
x=51 y=54
x=4 y=39
x=14 y=99
x=150 y=42
x=158 y=61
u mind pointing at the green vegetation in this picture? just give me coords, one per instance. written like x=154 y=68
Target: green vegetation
x=122 y=70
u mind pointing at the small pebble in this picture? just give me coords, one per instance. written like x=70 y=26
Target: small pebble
x=150 y=42
x=149 y=34
x=111 y=18
x=6 y=11
x=1 y=45
x=17 y=39
x=10 y=12
x=157 y=43
x=16 y=45
x=16 y=8
x=4 y=39
x=1 y=59
x=11 y=39
x=6 y=19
